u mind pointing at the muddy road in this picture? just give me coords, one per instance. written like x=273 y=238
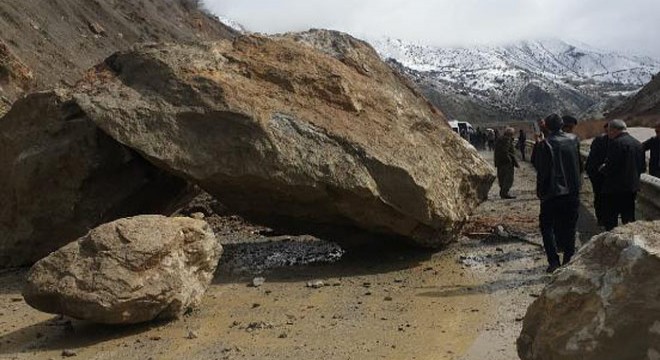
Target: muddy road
x=381 y=300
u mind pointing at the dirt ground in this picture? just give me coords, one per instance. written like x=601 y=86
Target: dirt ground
x=381 y=300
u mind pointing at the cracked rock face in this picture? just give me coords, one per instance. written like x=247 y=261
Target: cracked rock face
x=312 y=127
x=604 y=305
x=128 y=271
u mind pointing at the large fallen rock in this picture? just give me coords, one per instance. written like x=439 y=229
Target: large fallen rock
x=60 y=176
x=604 y=305
x=276 y=127
x=128 y=271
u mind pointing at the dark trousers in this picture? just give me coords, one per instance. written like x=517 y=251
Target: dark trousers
x=597 y=185
x=522 y=153
x=558 y=220
x=615 y=204
x=505 y=178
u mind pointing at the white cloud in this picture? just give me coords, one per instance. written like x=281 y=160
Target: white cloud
x=621 y=25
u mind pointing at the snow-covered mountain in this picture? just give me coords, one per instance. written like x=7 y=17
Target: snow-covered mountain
x=520 y=81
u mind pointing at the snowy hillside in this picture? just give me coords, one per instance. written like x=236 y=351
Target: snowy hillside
x=518 y=82
x=553 y=59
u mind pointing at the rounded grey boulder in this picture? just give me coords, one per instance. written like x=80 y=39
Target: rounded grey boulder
x=128 y=271
x=604 y=305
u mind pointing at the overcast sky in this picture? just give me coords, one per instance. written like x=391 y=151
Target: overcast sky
x=632 y=25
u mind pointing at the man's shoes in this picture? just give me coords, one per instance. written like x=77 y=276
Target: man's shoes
x=552 y=268
x=507 y=196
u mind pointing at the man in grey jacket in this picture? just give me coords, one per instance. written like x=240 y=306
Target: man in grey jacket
x=557 y=163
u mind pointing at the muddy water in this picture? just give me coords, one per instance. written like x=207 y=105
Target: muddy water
x=380 y=301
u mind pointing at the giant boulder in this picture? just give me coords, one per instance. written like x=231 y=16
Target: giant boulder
x=129 y=271
x=604 y=305
x=61 y=176
x=309 y=126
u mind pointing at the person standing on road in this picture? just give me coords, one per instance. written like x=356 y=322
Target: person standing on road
x=505 y=162
x=623 y=166
x=557 y=164
x=490 y=134
x=522 y=143
x=597 y=154
x=653 y=145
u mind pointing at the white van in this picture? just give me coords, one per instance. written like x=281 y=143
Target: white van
x=462 y=128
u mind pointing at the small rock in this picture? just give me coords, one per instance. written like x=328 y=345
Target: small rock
x=17 y=299
x=155 y=338
x=198 y=216
x=69 y=353
x=258 y=325
x=388 y=298
x=283 y=336
x=192 y=335
x=258 y=281
x=96 y=28
x=315 y=284
x=256 y=305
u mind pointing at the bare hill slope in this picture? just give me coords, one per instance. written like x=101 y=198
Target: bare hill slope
x=643 y=106
x=45 y=42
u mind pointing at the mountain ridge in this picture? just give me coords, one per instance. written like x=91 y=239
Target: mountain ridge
x=522 y=81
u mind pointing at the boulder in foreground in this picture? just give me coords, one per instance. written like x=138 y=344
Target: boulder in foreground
x=310 y=126
x=129 y=271
x=604 y=305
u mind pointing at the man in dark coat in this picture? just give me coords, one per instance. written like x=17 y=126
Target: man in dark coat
x=597 y=154
x=522 y=143
x=569 y=124
x=653 y=145
x=557 y=163
x=623 y=166
x=505 y=162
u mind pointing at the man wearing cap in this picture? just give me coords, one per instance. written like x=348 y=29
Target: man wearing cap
x=597 y=154
x=557 y=163
x=624 y=164
x=569 y=124
x=653 y=145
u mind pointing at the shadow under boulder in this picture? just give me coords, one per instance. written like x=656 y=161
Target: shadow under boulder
x=62 y=176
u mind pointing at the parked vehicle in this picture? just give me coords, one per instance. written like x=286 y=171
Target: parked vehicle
x=463 y=128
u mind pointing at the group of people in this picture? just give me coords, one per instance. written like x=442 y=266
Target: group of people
x=616 y=161
x=484 y=139
x=614 y=166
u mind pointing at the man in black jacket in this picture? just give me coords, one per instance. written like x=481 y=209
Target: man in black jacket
x=597 y=154
x=623 y=166
x=557 y=163
x=653 y=145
